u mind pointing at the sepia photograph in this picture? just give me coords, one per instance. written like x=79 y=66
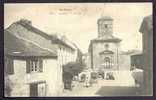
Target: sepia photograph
x=78 y=49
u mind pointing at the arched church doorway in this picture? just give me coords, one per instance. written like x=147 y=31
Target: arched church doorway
x=107 y=62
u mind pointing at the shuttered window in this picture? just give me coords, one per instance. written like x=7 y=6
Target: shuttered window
x=34 y=65
x=27 y=66
x=40 y=65
x=9 y=64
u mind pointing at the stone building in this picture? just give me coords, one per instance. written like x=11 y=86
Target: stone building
x=45 y=54
x=32 y=69
x=104 y=50
x=146 y=29
x=105 y=53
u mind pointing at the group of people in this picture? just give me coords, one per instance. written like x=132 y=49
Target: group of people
x=68 y=79
x=86 y=77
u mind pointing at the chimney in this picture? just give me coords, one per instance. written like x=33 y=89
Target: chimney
x=25 y=21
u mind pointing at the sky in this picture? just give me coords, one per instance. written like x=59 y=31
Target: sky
x=78 y=22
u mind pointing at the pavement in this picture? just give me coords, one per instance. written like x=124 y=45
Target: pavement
x=80 y=90
x=123 y=85
x=100 y=89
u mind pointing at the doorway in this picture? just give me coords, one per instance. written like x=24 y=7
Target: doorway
x=37 y=89
x=107 y=62
x=33 y=90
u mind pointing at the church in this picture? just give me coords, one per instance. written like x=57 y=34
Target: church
x=104 y=51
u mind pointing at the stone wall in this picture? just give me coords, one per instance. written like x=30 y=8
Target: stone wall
x=124 y=62
x=52 y=75
x=18 y=79
x=66 y=55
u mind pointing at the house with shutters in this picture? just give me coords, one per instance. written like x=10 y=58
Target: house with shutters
x=32 y=70
x=34 y=60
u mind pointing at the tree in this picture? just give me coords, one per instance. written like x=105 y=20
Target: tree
x=73 y=68
x=69 y=71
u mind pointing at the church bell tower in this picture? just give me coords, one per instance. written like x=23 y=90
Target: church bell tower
x=105 y=26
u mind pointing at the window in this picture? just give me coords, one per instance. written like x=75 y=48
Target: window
x=107 y=59
x=107 y=62
x=106 y=26
x=106 y=46
x=34 y=65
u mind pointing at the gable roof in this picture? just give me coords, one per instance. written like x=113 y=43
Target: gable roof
x=62 y=41
x=13 y=46
x=27 y=24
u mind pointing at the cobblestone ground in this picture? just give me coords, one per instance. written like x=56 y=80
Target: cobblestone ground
x=100 y=89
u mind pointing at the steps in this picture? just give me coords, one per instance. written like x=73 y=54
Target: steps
x=122 y=78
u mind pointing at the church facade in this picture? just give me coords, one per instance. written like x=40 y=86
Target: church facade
x=104 y=51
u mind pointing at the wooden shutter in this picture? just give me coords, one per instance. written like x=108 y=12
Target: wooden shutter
x=40 y=65
x=27 y=66
x=10 y=66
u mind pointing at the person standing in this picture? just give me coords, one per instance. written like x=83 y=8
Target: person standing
x=87 y=79
x=67 y=79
